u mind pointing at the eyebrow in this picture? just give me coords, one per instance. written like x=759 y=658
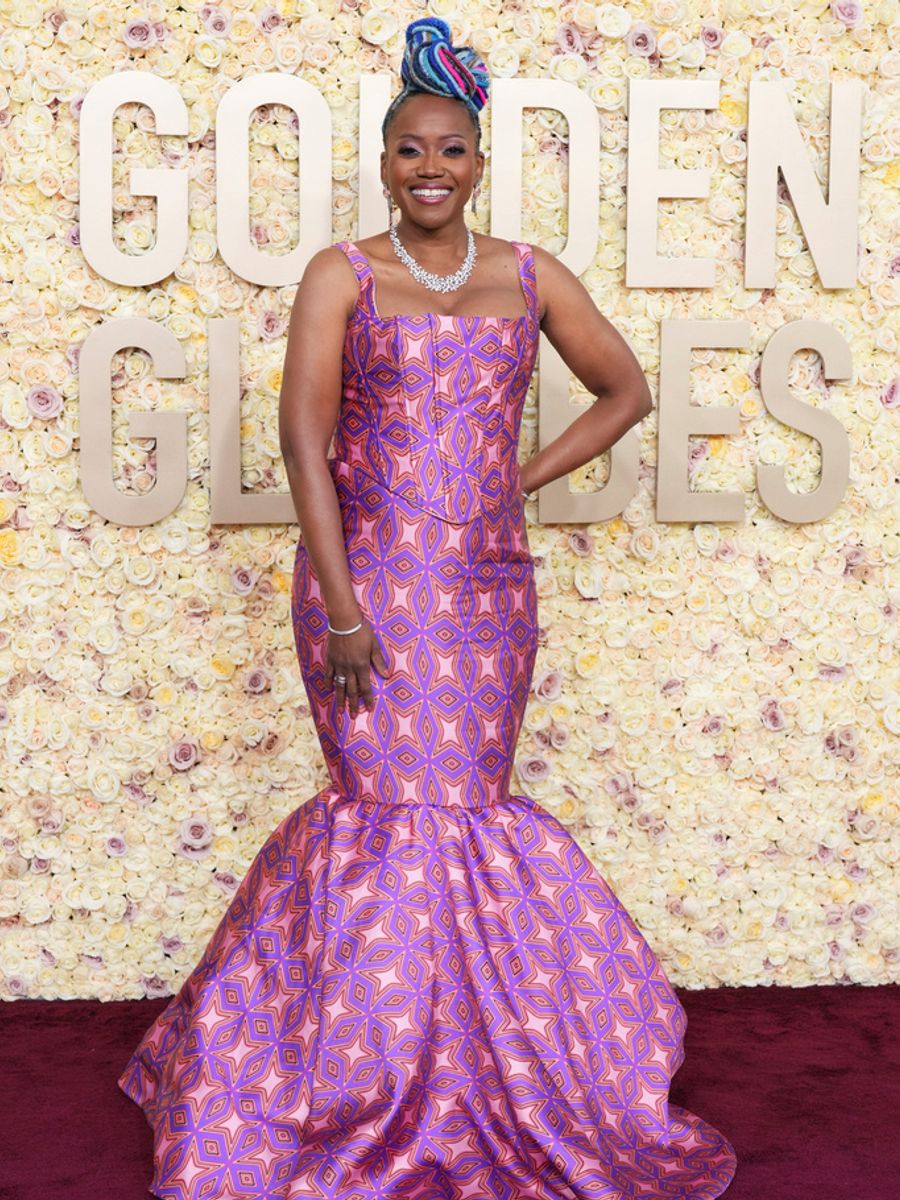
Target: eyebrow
x=416 y=137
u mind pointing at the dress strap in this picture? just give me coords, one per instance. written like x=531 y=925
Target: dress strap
x=528 y=279
x=364 y=273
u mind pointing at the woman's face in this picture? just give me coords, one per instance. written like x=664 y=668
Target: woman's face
x=431 y=144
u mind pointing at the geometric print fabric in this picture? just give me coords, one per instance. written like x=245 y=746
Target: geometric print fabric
x=422 y=988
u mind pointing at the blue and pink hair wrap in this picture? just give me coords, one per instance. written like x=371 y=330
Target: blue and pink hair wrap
x=432 y=64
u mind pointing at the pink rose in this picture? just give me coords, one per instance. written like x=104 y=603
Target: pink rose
x=711 y=36
x=139 y=34
x=44 y=402
x=630 y=802
x=184 y=754
x=257 y=682
x=697 y=451
x=641 y=39
x=271 y=326
x=548 y=685
x=269 y=19
x=271 y=744
x=848 y=12
x=581 y=543
x=718 y=935
x=772 y=716
x=890 y=397
x=154 y=987
x=559 y=737
x=533 y=768
x=569 y=39
x=215 y=20
x=243 y=580
x=195 y=832
x=830 y=671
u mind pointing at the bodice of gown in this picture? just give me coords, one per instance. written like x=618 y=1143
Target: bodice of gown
x=432 y=404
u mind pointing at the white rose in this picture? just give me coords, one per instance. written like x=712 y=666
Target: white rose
x=103 y=783
x=208 y=50
x=504 y=61
x=568 y=67
x=613 y=21
x=736 y=44
x=378 y=26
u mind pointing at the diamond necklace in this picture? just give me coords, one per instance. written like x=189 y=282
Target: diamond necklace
x=436 y=283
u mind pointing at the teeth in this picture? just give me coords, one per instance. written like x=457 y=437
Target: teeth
x=431 y=191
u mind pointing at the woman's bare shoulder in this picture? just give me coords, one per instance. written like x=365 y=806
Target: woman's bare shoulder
x=329 y=276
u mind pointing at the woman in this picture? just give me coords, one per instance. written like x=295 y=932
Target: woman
x=423 y=987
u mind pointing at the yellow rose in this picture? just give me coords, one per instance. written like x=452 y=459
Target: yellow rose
x=10 y=548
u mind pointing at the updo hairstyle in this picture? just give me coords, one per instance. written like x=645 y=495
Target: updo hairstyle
x=432 y=64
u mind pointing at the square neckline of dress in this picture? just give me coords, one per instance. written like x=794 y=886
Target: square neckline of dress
x=371 y=310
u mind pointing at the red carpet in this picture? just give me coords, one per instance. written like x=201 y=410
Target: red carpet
x=804 y=1081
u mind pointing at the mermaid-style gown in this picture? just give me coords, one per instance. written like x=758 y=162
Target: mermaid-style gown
x=423 y=989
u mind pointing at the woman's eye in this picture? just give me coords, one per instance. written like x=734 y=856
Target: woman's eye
x=450 y=149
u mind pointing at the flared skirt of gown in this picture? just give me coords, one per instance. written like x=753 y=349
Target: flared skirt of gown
x=422 y=988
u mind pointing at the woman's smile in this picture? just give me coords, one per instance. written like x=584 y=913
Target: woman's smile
x=430 y=195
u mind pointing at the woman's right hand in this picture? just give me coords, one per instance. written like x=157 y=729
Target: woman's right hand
x=350 y=655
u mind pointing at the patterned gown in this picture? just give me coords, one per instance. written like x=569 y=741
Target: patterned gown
x=423 y=989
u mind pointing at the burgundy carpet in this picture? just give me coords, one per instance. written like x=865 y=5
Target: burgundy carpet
x=804 y=1081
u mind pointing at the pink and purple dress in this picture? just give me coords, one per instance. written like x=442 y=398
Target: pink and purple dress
x=423 y=989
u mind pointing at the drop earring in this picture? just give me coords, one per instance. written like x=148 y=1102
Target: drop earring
x=390 y=205
x=475 y=199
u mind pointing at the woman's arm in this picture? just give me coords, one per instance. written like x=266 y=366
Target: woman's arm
x=309 y=405
x=602 y=360
x=308 y=411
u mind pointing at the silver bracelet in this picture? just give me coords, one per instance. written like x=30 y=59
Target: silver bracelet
x=353 y=630
x=527 y=495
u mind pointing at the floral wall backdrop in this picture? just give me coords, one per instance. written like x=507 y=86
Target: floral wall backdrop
x=716 y=709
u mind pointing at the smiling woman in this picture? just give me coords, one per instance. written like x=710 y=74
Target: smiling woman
x=423 y=986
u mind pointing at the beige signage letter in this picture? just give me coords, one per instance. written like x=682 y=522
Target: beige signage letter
x=774 y=143
x=648 y=182
x=679 y=419
x=95 y=423
x=837 y=363
x=170 y=187
x=228 y=504
x=241 y=254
